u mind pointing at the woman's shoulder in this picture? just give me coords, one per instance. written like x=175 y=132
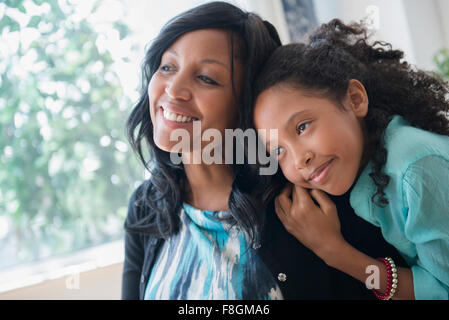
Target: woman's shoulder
x=137 y=208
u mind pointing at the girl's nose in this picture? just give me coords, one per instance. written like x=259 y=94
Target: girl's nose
x=303 y=160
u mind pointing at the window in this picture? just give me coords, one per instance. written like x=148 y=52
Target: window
x=69 y=77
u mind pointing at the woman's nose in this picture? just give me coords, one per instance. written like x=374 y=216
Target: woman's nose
x=177 y=89
x=303 y=160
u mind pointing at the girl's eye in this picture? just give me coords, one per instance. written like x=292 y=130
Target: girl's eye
x=302 y=127
x=207 y=80
x=278 y=151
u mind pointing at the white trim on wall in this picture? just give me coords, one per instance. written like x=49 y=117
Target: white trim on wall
x=102 y=283
x=67 y=267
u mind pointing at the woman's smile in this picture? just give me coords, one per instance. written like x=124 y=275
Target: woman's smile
x=194 y=83
x=173 y=119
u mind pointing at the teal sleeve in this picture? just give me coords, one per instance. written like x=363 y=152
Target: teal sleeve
x=426 y=286
x=426 y=194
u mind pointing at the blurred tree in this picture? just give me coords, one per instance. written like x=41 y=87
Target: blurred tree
x=442 y=62
x=65 y=169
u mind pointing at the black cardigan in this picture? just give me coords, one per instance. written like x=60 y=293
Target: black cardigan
x=307 y=276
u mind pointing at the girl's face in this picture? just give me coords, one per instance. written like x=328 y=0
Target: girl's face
x=320 y=146
x=194 y=82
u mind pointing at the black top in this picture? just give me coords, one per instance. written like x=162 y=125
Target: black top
x=306 y=275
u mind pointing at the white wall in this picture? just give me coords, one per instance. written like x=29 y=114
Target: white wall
x=419 y=28
x=426 y=30
x=442 y=7
x=270 y=10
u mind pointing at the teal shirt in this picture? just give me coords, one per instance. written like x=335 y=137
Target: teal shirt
x=416 y=220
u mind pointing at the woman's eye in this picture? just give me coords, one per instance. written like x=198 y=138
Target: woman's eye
x=302 y=127
x=207 y=80
x=165 y=68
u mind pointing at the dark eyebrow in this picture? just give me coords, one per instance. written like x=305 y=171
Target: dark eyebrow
x=173 y=52
x=204 y=60
x=215 y=62
x=293 y=116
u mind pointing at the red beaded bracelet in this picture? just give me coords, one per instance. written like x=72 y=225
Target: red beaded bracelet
x=392 y=279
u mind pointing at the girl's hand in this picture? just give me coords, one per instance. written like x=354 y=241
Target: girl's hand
x=316 y=227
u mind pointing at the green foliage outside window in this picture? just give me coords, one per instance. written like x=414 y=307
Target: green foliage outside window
x=66 y=169
x=441 y=60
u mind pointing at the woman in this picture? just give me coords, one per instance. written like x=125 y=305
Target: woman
x=196 y=230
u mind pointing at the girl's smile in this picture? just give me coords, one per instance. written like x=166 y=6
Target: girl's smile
x=320 y=143
x=320 y=174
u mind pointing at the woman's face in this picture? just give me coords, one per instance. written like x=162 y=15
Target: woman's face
x=193 y=83
x=320 y=146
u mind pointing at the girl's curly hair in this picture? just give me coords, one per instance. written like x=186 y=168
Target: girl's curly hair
x=336 y=53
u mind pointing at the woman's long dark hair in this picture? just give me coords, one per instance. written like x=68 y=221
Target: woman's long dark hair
x=336 y=53
x=164 y=192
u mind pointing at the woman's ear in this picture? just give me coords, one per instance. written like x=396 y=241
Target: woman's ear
x=357 y=98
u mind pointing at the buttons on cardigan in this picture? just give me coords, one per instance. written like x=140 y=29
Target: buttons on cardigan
x=282 y=277
x=256 y=246
x=142 y=278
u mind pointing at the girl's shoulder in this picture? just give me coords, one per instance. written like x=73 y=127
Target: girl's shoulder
x=406 y=145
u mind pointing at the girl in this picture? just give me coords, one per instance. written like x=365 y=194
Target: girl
x=353 y=118
x=197 y=231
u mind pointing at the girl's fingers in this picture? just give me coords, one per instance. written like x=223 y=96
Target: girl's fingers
x=302 y=196
x=284 y=198
x=325 y=203
x=287 y=190
x=279 y=211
